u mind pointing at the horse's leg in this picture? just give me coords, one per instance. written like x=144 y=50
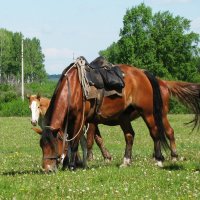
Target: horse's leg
x=83 y=143
x=100 y=143
x=149 y=120
x=93 y=133
x=90 y=141
x=129 y=137
x=170 y=136
x=75 y=142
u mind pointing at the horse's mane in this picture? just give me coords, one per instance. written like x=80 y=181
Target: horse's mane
x=52 y=102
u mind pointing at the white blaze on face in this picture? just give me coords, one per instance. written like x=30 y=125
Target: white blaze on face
x=35 y=112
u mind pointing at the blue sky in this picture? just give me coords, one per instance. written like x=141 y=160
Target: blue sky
x=80 y=27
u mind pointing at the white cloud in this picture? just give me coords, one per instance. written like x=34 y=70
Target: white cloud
x=58 y=53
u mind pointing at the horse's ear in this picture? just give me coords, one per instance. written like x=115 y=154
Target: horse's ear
x=27 y=96
x=38 y=96
x=37 y=130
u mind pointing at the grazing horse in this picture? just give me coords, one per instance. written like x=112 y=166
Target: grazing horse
x=38 y=106
x=69 y=111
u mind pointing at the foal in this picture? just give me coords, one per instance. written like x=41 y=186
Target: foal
x=38 y=106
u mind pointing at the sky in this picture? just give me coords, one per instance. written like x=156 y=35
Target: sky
x=68 y=29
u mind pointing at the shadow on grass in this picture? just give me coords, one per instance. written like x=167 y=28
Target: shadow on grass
x=15 y=173
x=173 y=167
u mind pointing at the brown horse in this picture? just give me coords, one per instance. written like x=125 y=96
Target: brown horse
x=69 y=111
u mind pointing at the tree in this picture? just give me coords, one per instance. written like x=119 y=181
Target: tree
x=34 y=59
x=10 y=58
x=158 y=42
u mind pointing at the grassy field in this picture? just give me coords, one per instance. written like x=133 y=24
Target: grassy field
x=21 y=176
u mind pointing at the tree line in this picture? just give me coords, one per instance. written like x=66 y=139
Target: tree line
x=160 y=42
x=10 y=58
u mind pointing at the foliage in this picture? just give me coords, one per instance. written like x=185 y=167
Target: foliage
x=15 y=107
x=45 y=89
x=10 y=58
x=159 y=42
x=21 y=176
x=10 y=100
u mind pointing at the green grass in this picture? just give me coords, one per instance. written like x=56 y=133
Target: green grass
x=21 y=177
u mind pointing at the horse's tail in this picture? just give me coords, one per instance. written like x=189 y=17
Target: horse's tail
x=189 y=95
x=157 y=109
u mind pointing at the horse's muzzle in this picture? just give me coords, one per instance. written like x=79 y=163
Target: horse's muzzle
x=50 y=168
x=34 y=123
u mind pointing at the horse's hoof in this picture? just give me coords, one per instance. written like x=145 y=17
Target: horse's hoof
x=126 y=162
x=159 y=164
x=123 y=165
x=90 y=157
x=182 y=158
x=107 y=160
x=72 y=168
x=174 y=159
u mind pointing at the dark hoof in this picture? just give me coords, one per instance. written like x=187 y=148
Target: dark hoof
x=72 y=168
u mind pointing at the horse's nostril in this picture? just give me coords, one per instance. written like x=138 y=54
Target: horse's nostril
x=34 y=123
x=50 y=169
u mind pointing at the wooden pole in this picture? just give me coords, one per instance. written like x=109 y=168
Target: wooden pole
x=22 y=57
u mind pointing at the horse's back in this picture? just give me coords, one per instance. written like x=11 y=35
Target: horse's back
x=137 y=86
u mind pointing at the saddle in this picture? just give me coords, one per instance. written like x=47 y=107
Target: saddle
x=103 y=74
x=99 y=79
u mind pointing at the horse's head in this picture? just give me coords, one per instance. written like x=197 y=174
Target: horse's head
x=51 y=143
x=34 y=105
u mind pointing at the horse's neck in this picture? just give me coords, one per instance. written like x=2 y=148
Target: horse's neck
x=44 y=103
x=59 y=107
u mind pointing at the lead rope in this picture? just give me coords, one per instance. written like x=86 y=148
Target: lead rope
x=66 y=127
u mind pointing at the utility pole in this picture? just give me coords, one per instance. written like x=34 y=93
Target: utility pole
x=22 y=56
x=1 y=59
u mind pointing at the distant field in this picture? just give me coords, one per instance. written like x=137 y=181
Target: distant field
x=21 y=177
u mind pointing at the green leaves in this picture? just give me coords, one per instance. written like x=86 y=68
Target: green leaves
x=10 y=58
x=160 y=42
